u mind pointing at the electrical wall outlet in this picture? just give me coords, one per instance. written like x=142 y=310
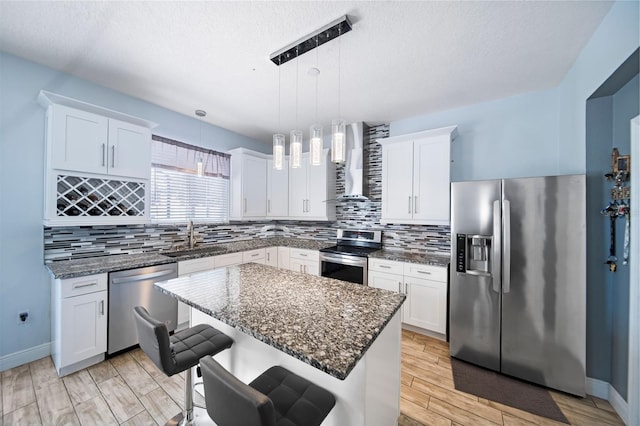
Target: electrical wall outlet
x=23 y=317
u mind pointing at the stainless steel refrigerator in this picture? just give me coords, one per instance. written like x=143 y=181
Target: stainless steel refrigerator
x=518 y=278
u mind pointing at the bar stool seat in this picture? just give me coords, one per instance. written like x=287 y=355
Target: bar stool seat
x=178 y=353
x=277 y=397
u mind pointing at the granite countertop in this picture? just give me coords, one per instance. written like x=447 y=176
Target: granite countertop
x=98 y=265
x=326 y=323
x=399 y=256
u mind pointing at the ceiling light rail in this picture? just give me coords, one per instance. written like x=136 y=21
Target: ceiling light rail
x=317 y=38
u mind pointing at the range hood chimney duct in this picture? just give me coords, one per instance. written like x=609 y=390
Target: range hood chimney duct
x=354 y=182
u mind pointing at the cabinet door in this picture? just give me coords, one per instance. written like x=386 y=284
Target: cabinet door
x=317 y=189
x=129 y=150
x=283 y=257
x=271 y=256
x=385 y=281
x=298 y=191
x=84 y=327
x=254 y=186
x=277 y=190
x=397 y=181
x=79 y=140
x=431 y=180
x=426 y=304
x=297 y=265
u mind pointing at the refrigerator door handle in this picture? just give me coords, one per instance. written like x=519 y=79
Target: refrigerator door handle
x=506 y=246
x=496 y=259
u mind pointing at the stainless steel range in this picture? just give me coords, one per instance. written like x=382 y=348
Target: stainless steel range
x=347 y=261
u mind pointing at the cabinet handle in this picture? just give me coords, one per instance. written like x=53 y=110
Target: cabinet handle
x=113 y=155
x=384 y=266
x=103 y=151
x=255 y=254
x=409 y=204
x=424 y=272
x=305 y=269
x=268 y=256
x=415 y=204
x=406 y=288
x=102 y=307
x=302 y=255
x=84 y=285
x=268 y=206
x=245 y=205
x=400 y=287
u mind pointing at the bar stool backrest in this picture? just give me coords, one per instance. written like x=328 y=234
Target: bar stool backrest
x=153 y=337
x=231 y=402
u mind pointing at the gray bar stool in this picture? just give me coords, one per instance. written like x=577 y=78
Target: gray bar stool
x=178 y=353
x=277 y=397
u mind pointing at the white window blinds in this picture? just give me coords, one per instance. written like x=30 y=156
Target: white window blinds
x=188 y=182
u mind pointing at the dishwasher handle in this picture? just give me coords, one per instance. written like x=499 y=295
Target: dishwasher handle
x=142 y=277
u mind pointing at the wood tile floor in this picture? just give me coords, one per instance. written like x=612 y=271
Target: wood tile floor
x=130 y=390
x=428 y=396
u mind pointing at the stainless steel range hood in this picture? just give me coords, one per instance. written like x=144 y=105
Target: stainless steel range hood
x=354 y=184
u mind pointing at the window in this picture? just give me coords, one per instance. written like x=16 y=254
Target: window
x=188 y=182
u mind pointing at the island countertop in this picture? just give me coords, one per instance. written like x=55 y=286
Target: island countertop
x=323 y=322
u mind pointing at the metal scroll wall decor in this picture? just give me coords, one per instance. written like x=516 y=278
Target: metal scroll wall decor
x=619 y=206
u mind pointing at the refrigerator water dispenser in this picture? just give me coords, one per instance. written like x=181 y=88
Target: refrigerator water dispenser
x=473 y=254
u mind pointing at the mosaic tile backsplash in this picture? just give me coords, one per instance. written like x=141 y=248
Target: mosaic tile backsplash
x=73 y=242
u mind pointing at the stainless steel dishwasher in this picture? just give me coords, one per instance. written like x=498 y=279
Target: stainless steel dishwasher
x=134 y=287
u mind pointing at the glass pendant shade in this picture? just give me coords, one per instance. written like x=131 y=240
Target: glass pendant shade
x=315 y=144
x=278 y=151
x=338 y=141
x=200 y=168
x=295 y=149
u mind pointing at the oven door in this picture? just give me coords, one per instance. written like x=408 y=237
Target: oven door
x=344 y=267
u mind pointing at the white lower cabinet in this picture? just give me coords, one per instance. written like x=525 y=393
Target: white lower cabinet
x=227 y=260
x=79 y=325
x=426 y=305
x=424 y=285
x=305 y=261
x=255 y=256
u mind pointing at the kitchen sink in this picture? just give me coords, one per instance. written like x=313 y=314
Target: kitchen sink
x=203 y=251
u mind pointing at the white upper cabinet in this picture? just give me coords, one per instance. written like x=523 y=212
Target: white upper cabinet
x=416 y=177
x=82 y=141
x=97 y=164
x=248 y=191
x=312 y=190
x=277 y=191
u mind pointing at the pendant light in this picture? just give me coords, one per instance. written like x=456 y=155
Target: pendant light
x=315 y=130
x=295 y=146
x=278 y=138
x=200 y=165
x=338 y=140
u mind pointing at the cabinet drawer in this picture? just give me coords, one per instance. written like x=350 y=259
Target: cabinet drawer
x=303 y=254
x=429 y=272
x=195 y=265
x=83 y=285
x=227 y=259
x=252 y=255
x=388 y=266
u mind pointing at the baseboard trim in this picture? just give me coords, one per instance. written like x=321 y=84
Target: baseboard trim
x=597 y=387
x=619 y=404
x=604 y=390
x=24 y=356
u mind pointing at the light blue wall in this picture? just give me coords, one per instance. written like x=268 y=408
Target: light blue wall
x=24 y=283
x=494 y=137
x=599 y=292
x=626 y=105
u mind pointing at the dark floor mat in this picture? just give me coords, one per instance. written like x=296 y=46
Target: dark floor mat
x=505 y=390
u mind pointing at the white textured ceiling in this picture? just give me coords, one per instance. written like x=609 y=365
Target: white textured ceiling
x=401 y=58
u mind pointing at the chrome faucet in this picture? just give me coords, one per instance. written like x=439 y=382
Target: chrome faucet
x=190 y=235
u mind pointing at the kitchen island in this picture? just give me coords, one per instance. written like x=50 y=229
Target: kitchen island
x=341 y=336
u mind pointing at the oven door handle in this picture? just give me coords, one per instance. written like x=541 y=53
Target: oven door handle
x=343 y=260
